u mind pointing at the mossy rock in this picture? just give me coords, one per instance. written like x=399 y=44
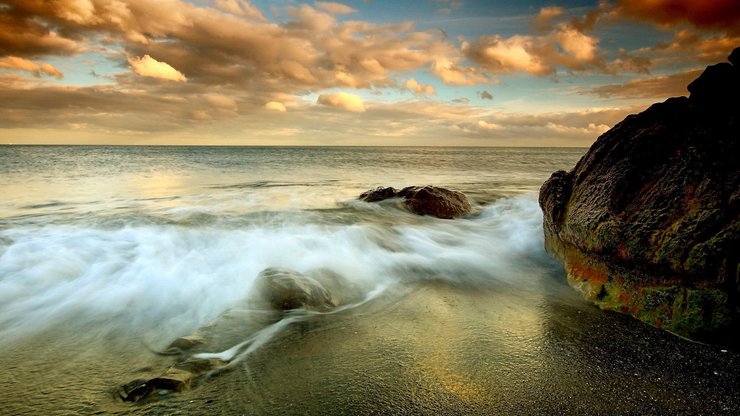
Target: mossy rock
x=701 y=313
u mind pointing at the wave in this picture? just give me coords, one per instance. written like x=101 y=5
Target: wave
x=161 y=281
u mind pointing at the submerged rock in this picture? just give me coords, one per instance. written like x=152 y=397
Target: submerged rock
x=286 y=289
x=424 y=200
x=186 y=343
x=647 y=222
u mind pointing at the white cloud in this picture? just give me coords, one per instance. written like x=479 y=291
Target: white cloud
x=349 y=102
x=146 y=66
x=275 y=106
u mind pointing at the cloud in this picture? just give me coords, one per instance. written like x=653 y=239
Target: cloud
x=221 y=102
x=452 y=74
x=275 y=106
x=543 y=21
x=575 y=128
x=23 y=35
x=448 y=6
x=146 y=66
x=690 y=45
x=419 y=89
x=335 y=8
x=230 y=43
x=517 y=53
x=485 y=95
x=349 y=102
x=709 y=14
x=659 y=87
x=240 y=8
x=580 y=46
x=568 y=45
x=14 y=62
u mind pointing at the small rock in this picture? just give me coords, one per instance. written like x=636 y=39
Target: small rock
x=286 y=289
x=379 y=194
x=186 y=343
x=435 y=201
x=424 y=200
x=173 y=379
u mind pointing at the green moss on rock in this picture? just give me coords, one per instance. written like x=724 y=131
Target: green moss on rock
x=701 y=313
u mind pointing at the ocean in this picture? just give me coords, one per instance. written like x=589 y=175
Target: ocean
x=109 y=253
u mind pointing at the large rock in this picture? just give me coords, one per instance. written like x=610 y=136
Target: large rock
x=647 y=221
x=286 y=289
x=424 y=200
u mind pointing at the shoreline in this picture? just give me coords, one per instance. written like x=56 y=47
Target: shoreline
x=439 y=350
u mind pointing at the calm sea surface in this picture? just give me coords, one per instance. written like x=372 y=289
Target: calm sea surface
x=110 y=253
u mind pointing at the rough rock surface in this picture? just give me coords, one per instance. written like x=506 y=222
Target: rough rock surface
x=647 y=223
x=424 y=200
x=286 y=289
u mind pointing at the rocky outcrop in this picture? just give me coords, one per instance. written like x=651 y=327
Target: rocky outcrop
x=286 y=289
x=424 y=200
x=647 y=221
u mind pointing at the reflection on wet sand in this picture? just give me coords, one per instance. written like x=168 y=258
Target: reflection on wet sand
x=437 y=349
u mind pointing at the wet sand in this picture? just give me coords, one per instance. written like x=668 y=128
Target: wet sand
x=437 y=349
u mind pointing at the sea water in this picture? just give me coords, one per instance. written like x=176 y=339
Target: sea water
x=163 y=239
x=108 y=254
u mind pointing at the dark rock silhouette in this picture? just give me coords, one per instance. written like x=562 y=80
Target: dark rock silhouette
x=424 y=200
x=646 y=223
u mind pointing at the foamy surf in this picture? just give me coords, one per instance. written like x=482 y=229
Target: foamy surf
x=163 y=281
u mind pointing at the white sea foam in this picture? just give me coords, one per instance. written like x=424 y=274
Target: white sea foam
x=166 y=281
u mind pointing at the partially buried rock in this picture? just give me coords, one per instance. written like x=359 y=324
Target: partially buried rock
x=173 y=379
x=286 y=289
x=647 y=222
x=424 y=200
x=186 y=343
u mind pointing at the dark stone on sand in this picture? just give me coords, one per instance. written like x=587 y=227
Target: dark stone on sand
x=174 y=379
x=286 y=289
x=177 y=378
x=424 y=200
x=647 y=222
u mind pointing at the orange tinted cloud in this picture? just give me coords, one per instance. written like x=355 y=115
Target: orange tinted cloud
x=543 y=21
x=349 y=102
x=660 y=87
x=717 y=14
x=419 y=89
x=231 y=43
x=14 y=62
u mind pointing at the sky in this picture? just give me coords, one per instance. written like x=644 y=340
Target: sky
x=357 y=73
